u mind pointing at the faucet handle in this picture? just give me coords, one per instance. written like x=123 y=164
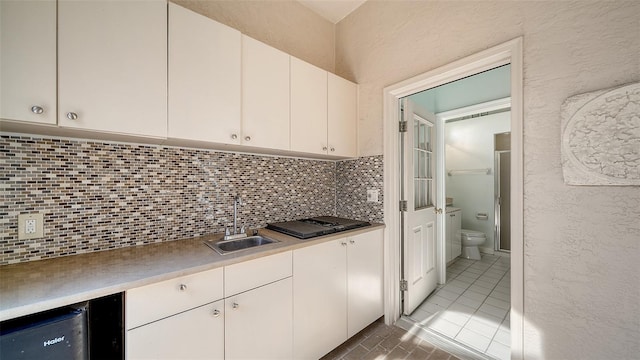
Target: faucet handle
x=226 y=231
x=242 y=230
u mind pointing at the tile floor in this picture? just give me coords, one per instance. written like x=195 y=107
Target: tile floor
x=473 y=307
x=383 y=342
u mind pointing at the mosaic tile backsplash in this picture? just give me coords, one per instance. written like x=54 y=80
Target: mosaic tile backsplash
x=354 y=178
x=100 y=195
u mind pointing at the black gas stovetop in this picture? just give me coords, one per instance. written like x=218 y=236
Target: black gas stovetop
x=316 y=226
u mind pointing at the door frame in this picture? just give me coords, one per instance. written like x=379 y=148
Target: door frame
x=509 y=52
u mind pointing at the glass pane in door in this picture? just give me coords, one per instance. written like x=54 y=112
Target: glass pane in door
x=422 y=161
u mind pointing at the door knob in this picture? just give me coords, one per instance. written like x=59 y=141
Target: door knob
x=37 y=109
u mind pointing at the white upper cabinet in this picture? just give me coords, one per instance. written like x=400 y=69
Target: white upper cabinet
x=308 y=108
x=343 y=113
x=28 y=61
x=112 y=66
x=204 y=78
x=265 y=95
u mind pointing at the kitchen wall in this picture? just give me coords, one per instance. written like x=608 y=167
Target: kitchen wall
x=102 y=195
x=469 y=145
x=284 y=24
x=105 y=195
x=581 y=244
x=353 y=178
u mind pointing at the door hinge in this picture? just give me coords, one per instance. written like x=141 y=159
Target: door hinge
x=404 y=285
x=402 y=126
x=403 y=205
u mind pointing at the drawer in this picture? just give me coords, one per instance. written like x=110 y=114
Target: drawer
x=254 y=273
x=156 y=301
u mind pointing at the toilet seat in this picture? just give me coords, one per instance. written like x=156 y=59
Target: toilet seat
x=472 y=233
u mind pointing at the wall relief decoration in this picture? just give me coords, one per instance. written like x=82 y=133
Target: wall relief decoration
x=601 y=137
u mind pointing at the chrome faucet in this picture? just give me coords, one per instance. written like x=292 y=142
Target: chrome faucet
x=227 y=235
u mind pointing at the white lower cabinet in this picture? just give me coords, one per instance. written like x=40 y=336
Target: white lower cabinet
x=319 y=299
x=337 y=292
x=194 y=334
x=365 y=280
x=453 y=238
x=259 y=324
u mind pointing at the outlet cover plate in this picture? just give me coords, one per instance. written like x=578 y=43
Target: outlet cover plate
x=35 y=230
x=372 y=195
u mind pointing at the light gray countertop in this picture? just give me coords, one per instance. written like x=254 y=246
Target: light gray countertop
x=36 y=286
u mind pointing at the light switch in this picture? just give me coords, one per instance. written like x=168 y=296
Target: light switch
x=372 y=195
x=30 y=226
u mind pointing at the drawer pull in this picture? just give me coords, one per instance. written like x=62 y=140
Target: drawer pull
x=183 y=287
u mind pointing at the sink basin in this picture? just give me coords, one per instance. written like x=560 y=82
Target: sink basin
x=224 y=247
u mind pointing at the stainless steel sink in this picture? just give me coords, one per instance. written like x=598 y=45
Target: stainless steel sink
x=224 y=247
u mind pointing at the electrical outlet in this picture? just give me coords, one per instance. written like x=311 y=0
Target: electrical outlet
x=372 y=195
x=30 y=226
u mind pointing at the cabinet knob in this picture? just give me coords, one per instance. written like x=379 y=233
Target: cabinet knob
x=324 y=148
x=247 y=138
x=352 y=241
x=72 y=116
x=183 y=287
x=216 y=313
x=37 y=109
x=343 y=243
x=333 y=149
x=235 y=305
x=234 y=136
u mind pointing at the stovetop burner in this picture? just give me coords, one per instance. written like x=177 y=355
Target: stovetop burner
x=316 y=226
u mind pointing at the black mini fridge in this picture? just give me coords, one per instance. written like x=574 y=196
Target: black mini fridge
x=52 y=335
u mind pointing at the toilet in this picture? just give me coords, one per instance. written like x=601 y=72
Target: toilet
x=470 y=240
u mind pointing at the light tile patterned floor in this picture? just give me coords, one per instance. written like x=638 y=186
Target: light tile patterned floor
x=382 y=342
x=473 y=307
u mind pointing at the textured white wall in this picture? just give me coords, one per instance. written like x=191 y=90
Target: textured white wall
x=284 y=24
x=469 y=145
x=582 y=244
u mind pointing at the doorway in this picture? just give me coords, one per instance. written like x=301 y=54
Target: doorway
x=508 y=53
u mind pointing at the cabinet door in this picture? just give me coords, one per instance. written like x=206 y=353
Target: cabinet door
x=320 y=299
x=265 y=95
x=342 y=116
x=28 y=61
x=112 y=66
x=365 y=280
x=193 y=334
x=308 y=108
x=456 y=237
x=448 y=236
x=258 y=323
x=204 y=78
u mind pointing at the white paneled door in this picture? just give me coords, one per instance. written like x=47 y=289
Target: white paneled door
x=419 y=264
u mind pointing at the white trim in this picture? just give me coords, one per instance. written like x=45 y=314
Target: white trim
x=494 y=105
x=509 y=52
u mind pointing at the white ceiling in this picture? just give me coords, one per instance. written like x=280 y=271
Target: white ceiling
x=332 y=10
